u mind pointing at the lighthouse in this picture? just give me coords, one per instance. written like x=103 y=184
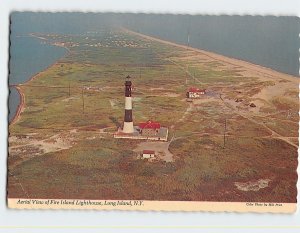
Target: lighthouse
x=149 y=130
x=128 y=122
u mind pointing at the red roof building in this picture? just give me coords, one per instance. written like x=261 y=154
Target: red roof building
x=149 y=125
x=194 y=92
x=194 y=89
x=149 y=129
x=148 y=152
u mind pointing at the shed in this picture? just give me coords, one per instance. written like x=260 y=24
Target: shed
x=195 y=92
x=147 y=154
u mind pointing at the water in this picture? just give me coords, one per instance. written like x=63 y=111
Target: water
x=268 y=41
x=13 y=102
x=29 y=55
x=264 y=40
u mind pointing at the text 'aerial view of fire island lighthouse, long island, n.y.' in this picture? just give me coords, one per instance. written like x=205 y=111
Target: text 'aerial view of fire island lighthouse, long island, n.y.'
x=146 y=130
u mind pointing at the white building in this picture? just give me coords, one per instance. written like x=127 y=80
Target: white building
x=195 y=93
x=147 y=154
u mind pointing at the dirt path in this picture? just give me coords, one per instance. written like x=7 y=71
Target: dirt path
x=102 y=130
x=273 y=133
x=20 y=184
x=54 y=143
x=187 y=111
x=267 y=92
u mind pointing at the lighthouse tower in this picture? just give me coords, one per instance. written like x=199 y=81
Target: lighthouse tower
x=128 y=123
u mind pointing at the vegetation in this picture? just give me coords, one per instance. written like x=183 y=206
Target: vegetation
x=77 y=104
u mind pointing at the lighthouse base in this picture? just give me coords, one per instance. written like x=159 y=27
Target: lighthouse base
x=162 y=136
x=128 y=127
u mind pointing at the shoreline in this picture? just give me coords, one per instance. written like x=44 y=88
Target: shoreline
x=265 y=71
x=21 y=105
x=45 y=39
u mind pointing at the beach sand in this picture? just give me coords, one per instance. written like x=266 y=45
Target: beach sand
x=21 y=105
x=263 y=72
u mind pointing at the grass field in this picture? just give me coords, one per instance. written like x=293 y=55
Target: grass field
x=62 y=145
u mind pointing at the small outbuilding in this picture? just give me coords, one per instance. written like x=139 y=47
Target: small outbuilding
x=194 y=92
x=147 y=154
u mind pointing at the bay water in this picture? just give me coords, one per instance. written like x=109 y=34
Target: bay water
x=28 y=56
x=264 y=40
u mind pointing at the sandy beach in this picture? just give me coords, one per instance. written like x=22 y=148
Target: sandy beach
x=262 y=71
x=21 y=105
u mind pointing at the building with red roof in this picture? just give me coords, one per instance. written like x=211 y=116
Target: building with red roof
x=147 y=154
x=194 y=92
x=149 y=125
x=149 y=128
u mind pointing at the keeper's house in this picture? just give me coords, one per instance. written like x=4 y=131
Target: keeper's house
x=149 y=129
x=194 y=93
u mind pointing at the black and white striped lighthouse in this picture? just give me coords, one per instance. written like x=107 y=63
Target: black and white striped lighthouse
x=128 y=122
